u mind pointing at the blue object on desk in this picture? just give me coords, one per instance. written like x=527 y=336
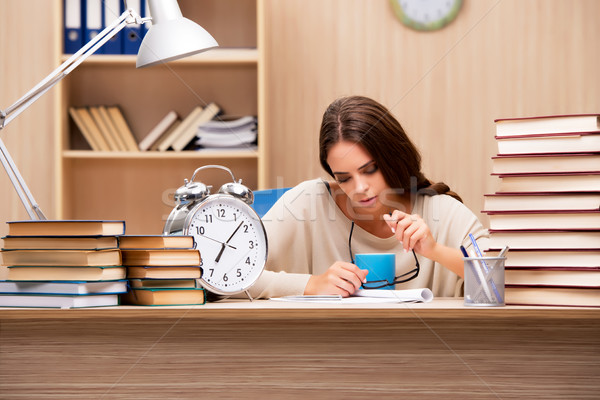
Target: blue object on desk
x=264 y=199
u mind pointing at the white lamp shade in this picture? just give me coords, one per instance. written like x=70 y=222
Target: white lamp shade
x=171 y=36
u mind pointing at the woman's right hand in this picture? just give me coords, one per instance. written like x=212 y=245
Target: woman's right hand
x=341 y=278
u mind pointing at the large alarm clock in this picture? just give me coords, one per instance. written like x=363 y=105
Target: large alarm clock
x=228 y=233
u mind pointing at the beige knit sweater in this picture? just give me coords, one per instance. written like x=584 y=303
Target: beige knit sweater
x=307 y=233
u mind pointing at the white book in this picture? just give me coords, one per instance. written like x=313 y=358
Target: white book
x=58 y=287
x=158 y=130
x=58 y=301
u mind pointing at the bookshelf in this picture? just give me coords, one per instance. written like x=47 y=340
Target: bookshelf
x=137 y=186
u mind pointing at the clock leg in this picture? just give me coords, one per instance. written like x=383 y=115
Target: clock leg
x=248 y=294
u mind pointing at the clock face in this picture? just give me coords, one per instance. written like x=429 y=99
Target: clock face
x=426 y=15
x=232 y=243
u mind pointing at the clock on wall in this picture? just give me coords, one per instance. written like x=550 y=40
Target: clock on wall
x=426 y=15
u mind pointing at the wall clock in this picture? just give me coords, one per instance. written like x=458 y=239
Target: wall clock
x=227 y=231
x=426 y=15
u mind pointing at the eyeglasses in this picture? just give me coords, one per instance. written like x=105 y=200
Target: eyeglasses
x=378 y=284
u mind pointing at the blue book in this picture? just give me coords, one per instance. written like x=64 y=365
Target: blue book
x=93 y=21
x=73 y=29
x=133 y=33
x=112 y=10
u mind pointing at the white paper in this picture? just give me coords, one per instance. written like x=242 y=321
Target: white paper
x=366 y=296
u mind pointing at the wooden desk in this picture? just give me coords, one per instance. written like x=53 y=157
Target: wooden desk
x=272 y=350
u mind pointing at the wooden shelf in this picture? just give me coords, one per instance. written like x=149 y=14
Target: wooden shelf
x=151 y=155
x=114 y=184
x=215 y=56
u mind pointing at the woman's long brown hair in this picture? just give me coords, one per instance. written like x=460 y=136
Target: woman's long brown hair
x=364 y=121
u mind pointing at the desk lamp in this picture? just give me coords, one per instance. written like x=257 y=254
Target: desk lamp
x=170 y=37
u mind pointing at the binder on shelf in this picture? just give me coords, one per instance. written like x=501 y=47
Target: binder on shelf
x=133 y=33
x=73 y=30
x=93 y=21
x=112 y=10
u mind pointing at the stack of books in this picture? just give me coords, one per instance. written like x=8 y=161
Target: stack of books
x=62 y=264
x=547 y=209
x=228 y=133
x=162 y=270
x=104 y=128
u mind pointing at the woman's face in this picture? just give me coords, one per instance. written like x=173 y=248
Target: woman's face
x=358 y=175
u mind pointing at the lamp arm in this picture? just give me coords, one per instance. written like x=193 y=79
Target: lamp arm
x=129 y=16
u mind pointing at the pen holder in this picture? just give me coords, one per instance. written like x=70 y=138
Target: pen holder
x=484 y=281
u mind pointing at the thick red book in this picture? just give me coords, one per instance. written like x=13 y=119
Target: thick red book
x=534 y=219
x=549 y=124
x=572 y=182
x=545 y=163
x=552 y=296
x=544 y=239
x=550 y=258
x=556 y=143
x=541 y=201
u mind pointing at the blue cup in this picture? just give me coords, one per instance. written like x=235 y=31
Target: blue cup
x=381 y=267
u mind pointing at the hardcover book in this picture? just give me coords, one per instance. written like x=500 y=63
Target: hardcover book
x=36 y=273
x=60 y=242
x=66 y=258
x=559 y=219
x=58 y=301
x=544 y=239
x=549 y=124
x=139 y=242
x=164 y=296
x=63 y=287
x=66 y=228
x=164 y=272
x=160 y=257
x=552 y=296
x=541 y=201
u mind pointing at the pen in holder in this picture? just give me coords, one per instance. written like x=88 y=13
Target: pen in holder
x=484 y=281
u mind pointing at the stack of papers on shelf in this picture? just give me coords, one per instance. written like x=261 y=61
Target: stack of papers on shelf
x=227 y=133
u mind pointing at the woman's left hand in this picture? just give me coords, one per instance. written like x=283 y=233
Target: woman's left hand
x=412 y=231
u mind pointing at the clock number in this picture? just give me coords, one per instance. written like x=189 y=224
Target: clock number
x=211 y=271
x=225 y=278
x=221 y=213
x=208 y=219
x=239 y=272
x=251 y=244
x=200 y=230
x=248 y=260
x=245 y=228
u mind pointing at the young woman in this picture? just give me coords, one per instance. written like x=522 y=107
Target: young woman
x=378 y=202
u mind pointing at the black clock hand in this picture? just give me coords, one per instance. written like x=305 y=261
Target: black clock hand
x=220 y=253
x=226 y=243
x=234 y=232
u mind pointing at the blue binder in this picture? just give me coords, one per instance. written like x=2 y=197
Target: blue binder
x=93 y=21
x=72 y=22
x=112 y=10
x=133 y=34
